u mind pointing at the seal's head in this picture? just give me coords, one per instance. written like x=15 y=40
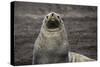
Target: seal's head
x=53 y=22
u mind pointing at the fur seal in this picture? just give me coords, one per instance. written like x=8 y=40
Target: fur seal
x=51 y=45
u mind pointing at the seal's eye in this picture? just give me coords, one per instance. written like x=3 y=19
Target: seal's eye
x=47 y=17
x=58 y=16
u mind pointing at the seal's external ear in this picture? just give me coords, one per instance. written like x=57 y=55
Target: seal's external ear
x=45 y=19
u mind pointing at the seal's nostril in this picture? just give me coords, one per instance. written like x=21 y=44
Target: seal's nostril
x=52 y=14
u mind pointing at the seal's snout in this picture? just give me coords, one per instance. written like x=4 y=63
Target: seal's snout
x=52 y=21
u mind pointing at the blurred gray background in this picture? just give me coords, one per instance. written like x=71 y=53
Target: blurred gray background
x=80 y=23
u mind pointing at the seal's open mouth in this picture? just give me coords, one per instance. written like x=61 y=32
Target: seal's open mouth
x=52 y=24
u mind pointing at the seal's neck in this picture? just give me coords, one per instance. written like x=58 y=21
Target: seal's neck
x=53 y=47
